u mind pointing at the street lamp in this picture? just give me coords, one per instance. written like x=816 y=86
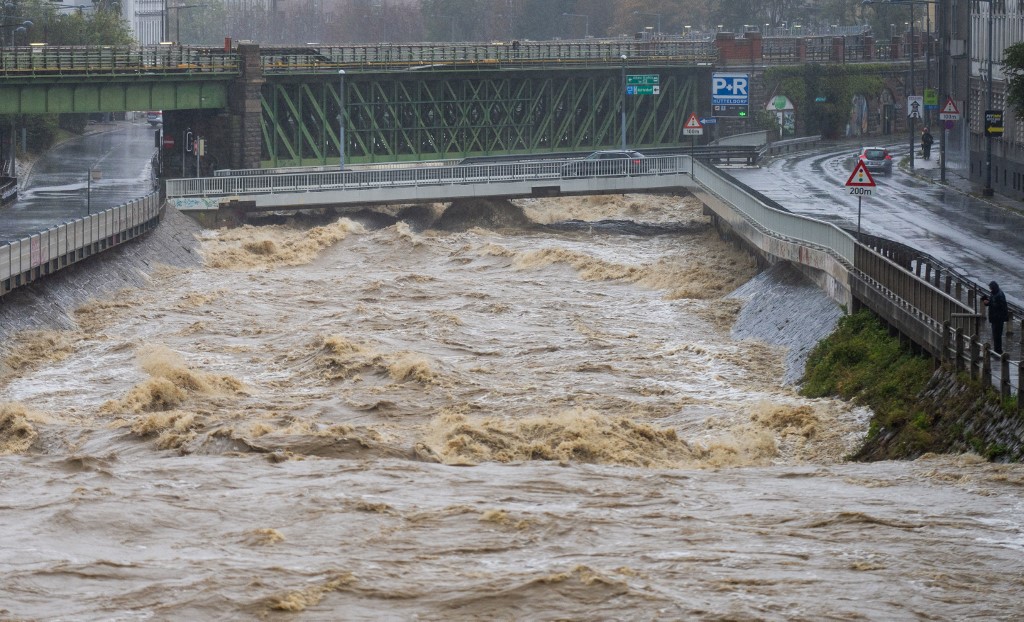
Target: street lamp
x=657 y=30
x=586 y=27
x=987 y=190
x=451 y=19
x=913 y=85
x=341 y=118
x=177 y=19
x=624 y=94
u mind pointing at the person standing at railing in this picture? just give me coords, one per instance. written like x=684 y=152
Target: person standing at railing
x=998 y=313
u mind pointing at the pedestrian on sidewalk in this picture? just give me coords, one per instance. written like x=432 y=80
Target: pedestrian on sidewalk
x=926 y=143
x=998 y=313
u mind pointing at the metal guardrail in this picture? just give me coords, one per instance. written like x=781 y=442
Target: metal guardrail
x=241 y=172
x=782 y=223
x=242 y=185
x=8 y=189
x=25 y=260
x=422 y=55
x=44 y=60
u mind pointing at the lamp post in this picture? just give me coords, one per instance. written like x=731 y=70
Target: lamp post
x=657 y=29
x=341 y=119
x=912 y=89
x=987 y=190
x=177 y=19
x=586 y=26
x=624 y=94
x=451 y=19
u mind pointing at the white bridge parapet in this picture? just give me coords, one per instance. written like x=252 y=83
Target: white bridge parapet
x=411 y=184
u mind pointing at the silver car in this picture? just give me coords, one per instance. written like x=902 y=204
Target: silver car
x=876 y=160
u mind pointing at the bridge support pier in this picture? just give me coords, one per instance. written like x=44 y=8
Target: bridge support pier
x=245 y=112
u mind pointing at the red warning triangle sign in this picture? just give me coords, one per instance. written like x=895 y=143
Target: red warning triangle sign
x=693 y=123
x=950 y=107
x=860 y=177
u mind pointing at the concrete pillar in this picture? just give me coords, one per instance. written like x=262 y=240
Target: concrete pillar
x=244 y=108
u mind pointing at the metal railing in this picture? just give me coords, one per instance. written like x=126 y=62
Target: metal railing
x=387 y=55
x=241 y=185
x=25 y=260
x=46 y=60
x=771 y=219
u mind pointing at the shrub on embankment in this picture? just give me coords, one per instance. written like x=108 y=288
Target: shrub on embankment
x=916 y=409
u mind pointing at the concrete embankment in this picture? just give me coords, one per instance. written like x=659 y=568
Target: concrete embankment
x=782 y=307
x=49 y=304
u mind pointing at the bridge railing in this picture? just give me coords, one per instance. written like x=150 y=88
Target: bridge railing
x=782 y=223
x=115 y=60
x=423 y=175
x=587 y=52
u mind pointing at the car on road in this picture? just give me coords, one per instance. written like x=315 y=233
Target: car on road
x=608 y=163
x=876 y=160
x=155 y=117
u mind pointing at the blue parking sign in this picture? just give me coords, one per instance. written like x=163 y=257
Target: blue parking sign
x=730 y=89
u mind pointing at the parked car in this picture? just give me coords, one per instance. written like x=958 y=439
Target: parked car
x=155 y=117
x=876 y=159
x=608 y=163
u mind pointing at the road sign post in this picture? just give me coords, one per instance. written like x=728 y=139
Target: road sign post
x=860 y=184
x=949 y=112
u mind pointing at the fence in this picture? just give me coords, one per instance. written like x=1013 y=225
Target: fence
x=26 y=260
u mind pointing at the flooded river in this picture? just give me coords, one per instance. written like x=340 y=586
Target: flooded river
x=368 y=419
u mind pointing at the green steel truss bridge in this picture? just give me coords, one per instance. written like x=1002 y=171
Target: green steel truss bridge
x=280 y=106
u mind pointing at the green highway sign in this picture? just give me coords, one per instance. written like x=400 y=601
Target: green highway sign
x=644 y=79
x=643 y=90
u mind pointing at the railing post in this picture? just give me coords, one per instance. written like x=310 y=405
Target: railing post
x=959 y=366
x=1004 y=375
x=945 y=342
x=986 y=365
x=1020 y=378
x=974 y=356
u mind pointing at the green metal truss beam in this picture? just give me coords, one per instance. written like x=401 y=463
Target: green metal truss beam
x=432 y=115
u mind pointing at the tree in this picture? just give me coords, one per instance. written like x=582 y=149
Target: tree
x=1013 y=67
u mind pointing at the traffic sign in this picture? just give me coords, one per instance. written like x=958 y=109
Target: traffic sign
x=708 y=120
x=692 y=127
x=649 y=79
x=994 y=123
x=949 y=112
x=730 y=89
x=643 y=90
x=168 y=141
x=730 y=111
x=915 y=106
x=931 y=99
x=860 y=177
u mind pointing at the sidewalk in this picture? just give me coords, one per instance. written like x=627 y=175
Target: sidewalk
x=955 y=180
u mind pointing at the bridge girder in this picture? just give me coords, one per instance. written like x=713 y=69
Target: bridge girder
x=432 y=115
x=118 y=95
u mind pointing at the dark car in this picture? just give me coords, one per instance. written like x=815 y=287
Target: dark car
x=876 y=160
x=608 y=163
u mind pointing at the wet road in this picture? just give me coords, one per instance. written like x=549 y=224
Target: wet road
x=982 y=240
x=57 y=190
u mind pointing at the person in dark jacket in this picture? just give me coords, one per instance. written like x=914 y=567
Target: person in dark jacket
x=998 y=313
x=926 y=143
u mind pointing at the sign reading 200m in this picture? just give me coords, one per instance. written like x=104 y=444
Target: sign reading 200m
x=730 y=89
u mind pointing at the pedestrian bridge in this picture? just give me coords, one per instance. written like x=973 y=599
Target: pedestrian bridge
x=441 y=181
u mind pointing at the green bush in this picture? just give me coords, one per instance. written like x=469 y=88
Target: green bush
x=861 y=362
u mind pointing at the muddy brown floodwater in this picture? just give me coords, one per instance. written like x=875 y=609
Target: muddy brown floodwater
x=345 y=421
